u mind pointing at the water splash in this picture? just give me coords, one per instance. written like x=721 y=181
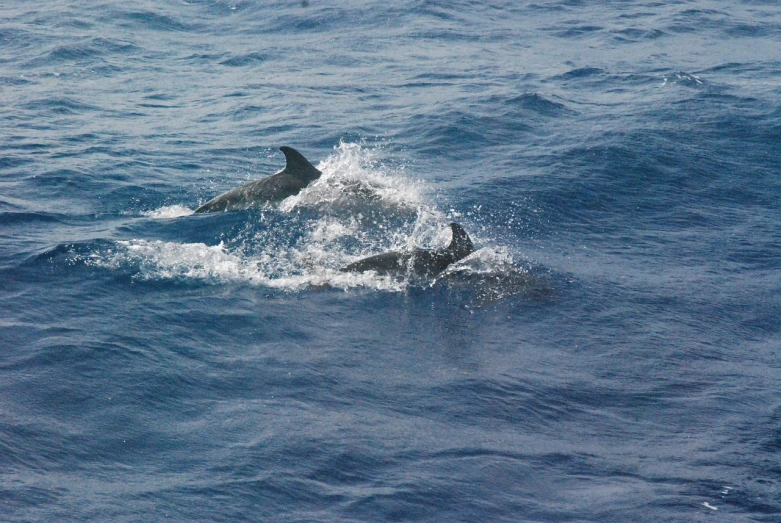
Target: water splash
x=359 y=207
x=355 y=181
x=168 y=212
x=682 y=78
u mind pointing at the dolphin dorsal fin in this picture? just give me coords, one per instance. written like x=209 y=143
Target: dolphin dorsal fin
x=461 y=245
x=298 y=166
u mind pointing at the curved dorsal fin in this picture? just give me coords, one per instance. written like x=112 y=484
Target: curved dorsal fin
x=461 y=245
x=298 y=166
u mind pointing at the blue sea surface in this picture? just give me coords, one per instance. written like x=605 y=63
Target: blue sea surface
x=611 y=352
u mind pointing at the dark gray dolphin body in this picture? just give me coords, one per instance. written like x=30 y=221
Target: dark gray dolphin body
x=422 y=263
x=297 y=174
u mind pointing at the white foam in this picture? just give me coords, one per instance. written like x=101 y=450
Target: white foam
x=354 y=179
x=171 y=260
x=291 y=270
x=169 y=211
x=361 y=208
x=490 y=259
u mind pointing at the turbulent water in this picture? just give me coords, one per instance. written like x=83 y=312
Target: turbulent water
x=611 y=351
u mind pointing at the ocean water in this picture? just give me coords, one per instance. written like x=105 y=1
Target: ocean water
x=611 y=352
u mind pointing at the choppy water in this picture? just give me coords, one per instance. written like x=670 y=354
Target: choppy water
x=610 y=352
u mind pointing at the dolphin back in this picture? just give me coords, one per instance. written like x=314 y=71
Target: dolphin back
x=385 y=263
x=422 y=263
x=461 y=245
x=297 y=174
x=297 y=166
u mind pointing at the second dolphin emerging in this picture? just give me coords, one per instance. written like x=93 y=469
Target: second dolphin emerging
x=297 y=174
x=422 y=263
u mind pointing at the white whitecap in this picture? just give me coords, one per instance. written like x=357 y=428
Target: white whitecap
x=355 y=180
x=169 y=211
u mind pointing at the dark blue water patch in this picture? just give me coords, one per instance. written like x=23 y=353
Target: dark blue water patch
x=452 y=35
x=202 y=58
x=506 y=401
x=349 y=467
x=162 y=96
x=13 y=162
x=521 y=402
x=289 y=132
x=24 y=218
x=755 y=245
x=346 y=62
x=534 y=102
x=432 y=78
x=106 y=71
x=60 y=106
x=309 y=21
x=93 y=188
x=238 y=94
x=81 y=138
x=37 y=447
x=87 y=264
x=734 y=67
x=19 y=42
x=456 y=134
x=746 y=501
x=411 y=503
x=95 y=150
x=13 y=81
x=717 y=155
x=25 y=501
x=23 y=143
x=634 y=34
x=694 y=13
x=742 y=118
x=11 y=35
x=269 y=155
x=582 y=72
x=772 y=442
x=11 y=206
x=577 y=31
x=151 y=21
x=604 y=80
x=748 y=31
x=673 y=172
x=61 y=55
x=249 y=59
x=134 y=199
x=759 y=317
x=65 y=251
x=247 y=112
x=60 y=178
x=549 y=7
x=73 y=23
x=635 y=15
x=149 y=105
x=91 y=48
x=445 y=11
x=112 y=437
x=733 y=108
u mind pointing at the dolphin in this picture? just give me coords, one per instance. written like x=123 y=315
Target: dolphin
x=421 y=262
x=297 y=174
